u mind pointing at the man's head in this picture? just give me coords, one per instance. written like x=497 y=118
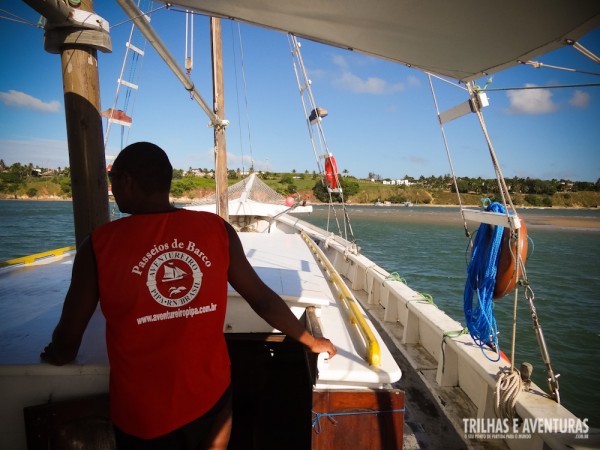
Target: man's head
x=141 y=179
x=147 y=164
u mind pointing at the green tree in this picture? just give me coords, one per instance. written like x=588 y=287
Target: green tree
x=286 y=179
x=65 y=186
x=349 y=188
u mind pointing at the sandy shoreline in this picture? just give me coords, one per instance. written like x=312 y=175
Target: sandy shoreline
x=570 y=222
x=534 y=217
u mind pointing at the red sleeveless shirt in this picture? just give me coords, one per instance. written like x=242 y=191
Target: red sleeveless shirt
x=163 y=291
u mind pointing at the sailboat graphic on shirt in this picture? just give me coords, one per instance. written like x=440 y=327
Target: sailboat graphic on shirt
x=173 y=273
x=174 y=279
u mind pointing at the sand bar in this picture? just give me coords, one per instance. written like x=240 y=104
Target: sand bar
x=583 y=219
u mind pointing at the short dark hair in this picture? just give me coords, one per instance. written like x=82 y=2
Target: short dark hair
x=147 y=164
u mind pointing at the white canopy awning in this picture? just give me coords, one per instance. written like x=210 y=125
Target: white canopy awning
x=463 y=40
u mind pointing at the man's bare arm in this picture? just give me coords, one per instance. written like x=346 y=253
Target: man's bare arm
x=265 y=302
x=79 y=306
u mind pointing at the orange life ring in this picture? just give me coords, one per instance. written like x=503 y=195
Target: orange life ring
x=331 y=172
x=509 y=271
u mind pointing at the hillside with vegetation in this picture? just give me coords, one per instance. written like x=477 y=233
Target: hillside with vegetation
x=24 y=181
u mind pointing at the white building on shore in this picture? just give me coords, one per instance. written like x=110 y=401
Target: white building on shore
x=404 y=182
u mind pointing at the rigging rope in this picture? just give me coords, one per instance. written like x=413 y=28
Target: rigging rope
x=506 y=199
x=481 y=279
x=143 y=14
x=509 y=383
x=18 y=19
x=322 y=154
x=189 y=40
x=454 y=180
x=451 y=335
x=247 y=109
x=528 y=88
x=538 y=65
x=133 y=60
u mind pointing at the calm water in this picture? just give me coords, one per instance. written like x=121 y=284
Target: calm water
x=427 y=247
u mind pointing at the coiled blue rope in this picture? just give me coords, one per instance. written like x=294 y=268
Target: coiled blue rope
x=481 y=279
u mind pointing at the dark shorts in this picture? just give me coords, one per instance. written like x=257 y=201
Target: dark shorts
x=188 y=437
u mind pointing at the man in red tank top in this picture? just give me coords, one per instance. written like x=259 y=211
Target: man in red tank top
x=160 y=276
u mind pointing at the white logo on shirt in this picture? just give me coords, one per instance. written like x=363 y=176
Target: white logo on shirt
x=174 y=279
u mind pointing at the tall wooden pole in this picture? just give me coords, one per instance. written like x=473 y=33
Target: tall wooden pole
x=84 y=133
x=219 y=110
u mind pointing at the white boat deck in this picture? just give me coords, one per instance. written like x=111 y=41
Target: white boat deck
x=288 y=266
x=31 y=299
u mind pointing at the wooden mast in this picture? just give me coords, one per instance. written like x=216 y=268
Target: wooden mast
x=219 y=110
x=77 y=45
x=85 y=137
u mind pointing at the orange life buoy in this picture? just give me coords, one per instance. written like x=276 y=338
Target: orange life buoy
x=509 y=271
x=331 y=172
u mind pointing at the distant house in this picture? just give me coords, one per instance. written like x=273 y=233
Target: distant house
x=397 y=182
x=197 y=172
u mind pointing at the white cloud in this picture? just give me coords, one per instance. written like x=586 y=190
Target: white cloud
x=532 y=101
x=413 y=81
x=416 y=159
x=340 y=61
x=580 y=99
x=23 y=100
x=236 y=161
x=372 y=85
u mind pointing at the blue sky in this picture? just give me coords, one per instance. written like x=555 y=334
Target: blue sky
x=381 y=115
